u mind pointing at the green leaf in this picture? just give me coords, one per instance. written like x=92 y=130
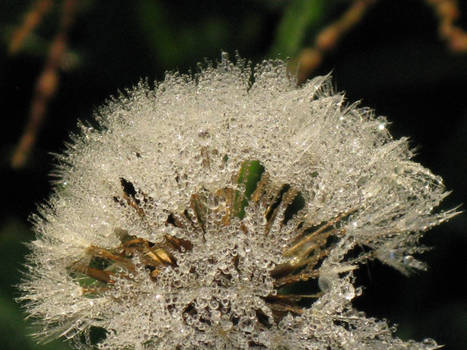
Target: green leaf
x=14 y=331
x=299 y=17
x=249 y=175
x=158 y=32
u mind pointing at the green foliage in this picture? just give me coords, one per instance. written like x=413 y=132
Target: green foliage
x=14 y=331
x=157 y=31
x=299 y=17
x=250 y=174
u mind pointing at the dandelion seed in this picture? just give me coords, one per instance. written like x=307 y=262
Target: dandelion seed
x=197 y=210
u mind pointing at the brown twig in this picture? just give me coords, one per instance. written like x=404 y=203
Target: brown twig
x=448 y=12
x=46 y=86
x=329 y=37
x=31 y=20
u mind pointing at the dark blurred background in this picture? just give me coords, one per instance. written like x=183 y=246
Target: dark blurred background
x=394 y=59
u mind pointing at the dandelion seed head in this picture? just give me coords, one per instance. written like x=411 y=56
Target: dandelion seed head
x=159 y=233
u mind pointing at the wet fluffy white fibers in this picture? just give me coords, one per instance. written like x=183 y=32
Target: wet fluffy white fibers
x=227 y=210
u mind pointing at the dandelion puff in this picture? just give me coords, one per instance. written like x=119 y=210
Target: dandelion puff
x=195 y=211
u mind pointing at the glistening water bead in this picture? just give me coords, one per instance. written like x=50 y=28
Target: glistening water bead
x=227 y=210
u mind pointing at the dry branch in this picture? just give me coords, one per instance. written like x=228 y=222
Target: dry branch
x=46 y=86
